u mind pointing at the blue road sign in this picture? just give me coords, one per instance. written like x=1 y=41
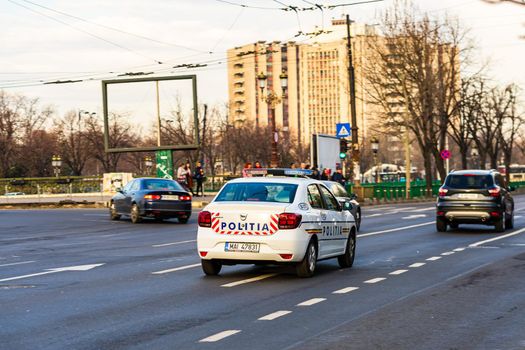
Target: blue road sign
x=343 y=130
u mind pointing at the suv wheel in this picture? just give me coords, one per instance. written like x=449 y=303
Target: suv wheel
x=499 y=225
x=509 y=221
x=441 y=225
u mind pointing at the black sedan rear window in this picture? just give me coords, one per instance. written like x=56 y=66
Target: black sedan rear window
x=469 y=181
x=257 y=192
x=161 y=185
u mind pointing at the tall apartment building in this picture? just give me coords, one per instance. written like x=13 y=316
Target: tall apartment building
x=317 y=96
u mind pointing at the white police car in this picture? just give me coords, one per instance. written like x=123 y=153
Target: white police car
x=275 y=219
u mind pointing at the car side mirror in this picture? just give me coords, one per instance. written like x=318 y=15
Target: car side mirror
x=119 y=190
x=346 y=205
x=512 y=188
x=353 y=196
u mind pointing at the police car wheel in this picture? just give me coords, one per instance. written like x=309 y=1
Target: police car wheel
x=113 y=212
x=347 y=259
x=210 y=267
x=306 y=267
x=135 y=214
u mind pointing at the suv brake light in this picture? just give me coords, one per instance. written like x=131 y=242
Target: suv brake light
x=185 y=198
x=443 y=192
x=288 y=221
x=204 y=219
x=495 y=192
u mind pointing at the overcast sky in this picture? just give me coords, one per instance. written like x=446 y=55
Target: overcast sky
x=39 y=44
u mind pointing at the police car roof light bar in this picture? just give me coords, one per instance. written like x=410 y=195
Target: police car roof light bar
x=278 y=172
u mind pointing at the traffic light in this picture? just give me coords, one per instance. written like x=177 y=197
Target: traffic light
x=343 y=148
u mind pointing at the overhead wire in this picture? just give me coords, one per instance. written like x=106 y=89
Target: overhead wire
x=86 y=32
x=113 y=28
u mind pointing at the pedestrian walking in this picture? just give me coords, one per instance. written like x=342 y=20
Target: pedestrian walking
x=338 y=176
x=325 y=175
x=246 y=166
x=189 y=177
x=199 y=178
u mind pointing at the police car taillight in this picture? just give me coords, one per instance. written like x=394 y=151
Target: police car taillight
x=289 y=221
x=204 y=219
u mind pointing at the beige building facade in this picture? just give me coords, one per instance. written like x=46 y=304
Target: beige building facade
x=317 y=96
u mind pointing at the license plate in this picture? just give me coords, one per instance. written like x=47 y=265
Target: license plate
x=468 y=195
x=170 y=197
x=241 y=247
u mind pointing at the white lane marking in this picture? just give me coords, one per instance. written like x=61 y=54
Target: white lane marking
x=416 y=216
x=58 y=269
x=311 y=302
x=447 y=253
x=249 y=280
x=518 y=216
x=434 y=258
x=396 y=229
x=418 y=264
x=176 y=269
x=424 y=209
x=459 y=249
x=274 y=315
x=173 y=243
x=397 y=272
x=18 y=263
x=345 y=290
x=372 y=215
x=219 y=336
x=375 y=280
x=497 y=238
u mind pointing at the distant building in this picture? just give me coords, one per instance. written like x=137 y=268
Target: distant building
x=317 y=96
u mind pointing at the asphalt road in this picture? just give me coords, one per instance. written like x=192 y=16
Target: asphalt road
x=72 y=279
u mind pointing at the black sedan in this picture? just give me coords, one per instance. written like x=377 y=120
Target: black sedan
x=149 y=197
x=339 y=191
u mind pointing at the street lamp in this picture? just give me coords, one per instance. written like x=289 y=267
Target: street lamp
x=375 y=147
x=272 y=99
x=149 y=164
x=56 y=162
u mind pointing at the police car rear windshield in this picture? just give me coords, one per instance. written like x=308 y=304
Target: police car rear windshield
x=469 y=181
x=258 y=192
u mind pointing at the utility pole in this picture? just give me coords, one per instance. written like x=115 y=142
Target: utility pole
x=351 y=82
x=158 y=113
x=201 y=156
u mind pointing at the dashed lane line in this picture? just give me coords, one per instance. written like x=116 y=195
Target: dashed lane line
x=418 y=264
x=274 y=315
x=176 y=269
x=397 y=272
x=219 y=336
x=416 y=216
x=18 y=263
x=375 y=280
x=311 y=302
x=477 y=244
x=424 y=209
x=249 y=280
x=459 y=249
x=345 y=290
x=395 y=229
x=447 y=253
x=434 y=258
x=173 y=243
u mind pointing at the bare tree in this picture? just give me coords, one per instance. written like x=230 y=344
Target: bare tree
x=414 y=78
x=73 y=143
x=121 y=135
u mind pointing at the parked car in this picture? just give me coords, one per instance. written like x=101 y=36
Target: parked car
x=339 y=191
x=154 y=198
x=475 y=197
